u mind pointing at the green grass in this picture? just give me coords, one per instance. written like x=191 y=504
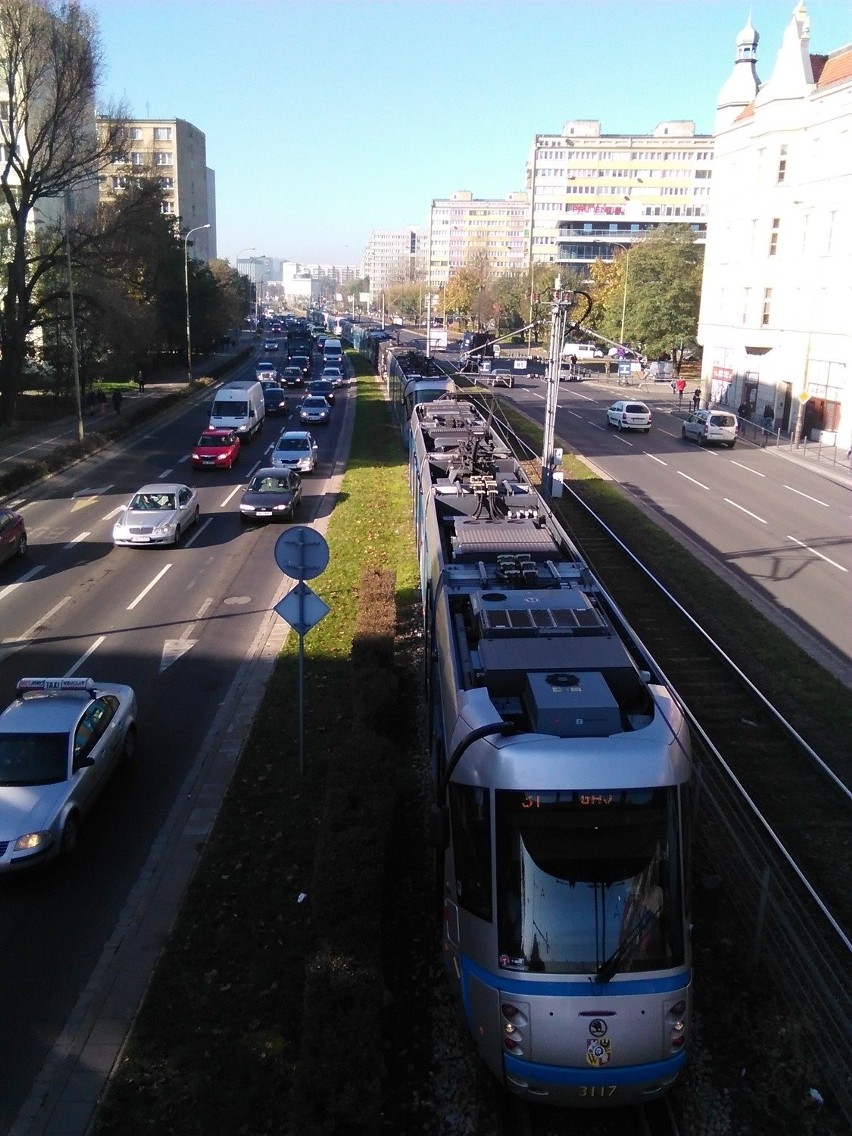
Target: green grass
x=216 y=1040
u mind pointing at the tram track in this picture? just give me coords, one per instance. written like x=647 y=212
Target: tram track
x=514 y=1117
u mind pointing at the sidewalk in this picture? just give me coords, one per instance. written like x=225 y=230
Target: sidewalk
x=35 y=444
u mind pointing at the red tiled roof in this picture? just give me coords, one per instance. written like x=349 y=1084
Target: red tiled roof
x=834 y=68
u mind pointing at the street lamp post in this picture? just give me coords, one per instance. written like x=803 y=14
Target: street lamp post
x=624 y=297
x=186 y=282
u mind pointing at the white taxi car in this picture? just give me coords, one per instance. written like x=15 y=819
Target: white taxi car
x=60 y=740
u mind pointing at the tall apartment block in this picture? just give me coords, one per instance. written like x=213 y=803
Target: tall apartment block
x=461 y=226
x=395 y=256
x=592 y=194
x=175 y=152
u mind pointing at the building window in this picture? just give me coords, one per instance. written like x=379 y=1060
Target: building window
x=773 y=236
x=767 y=304
x=162 y=134
x=136 y=133
x=167 y=207
x=782 y=164
x=162 y=158
x=746 y=296
x=137 y=159
x=166 y=183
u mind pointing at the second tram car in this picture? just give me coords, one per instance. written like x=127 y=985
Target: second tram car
x=562 y=767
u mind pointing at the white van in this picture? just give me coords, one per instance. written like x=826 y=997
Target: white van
x=583 y=351
x=239 y=406
x=332 y=351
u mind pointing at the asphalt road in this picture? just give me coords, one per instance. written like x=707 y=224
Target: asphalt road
x=176 y=624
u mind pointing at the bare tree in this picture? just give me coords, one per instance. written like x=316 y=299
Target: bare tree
x=50 y=61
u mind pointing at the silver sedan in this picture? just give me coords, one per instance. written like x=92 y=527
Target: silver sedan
x=158 y=514
x=59 y=742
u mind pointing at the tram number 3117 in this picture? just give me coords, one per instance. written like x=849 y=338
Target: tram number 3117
x=596 y=1090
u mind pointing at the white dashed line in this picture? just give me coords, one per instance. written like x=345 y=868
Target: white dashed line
x=148 y=587
x=827 y=559
x=692 y=479
x=807 y=497
x=748 y=512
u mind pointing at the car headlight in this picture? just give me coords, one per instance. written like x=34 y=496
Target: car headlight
x=281 y=508
x=222 y=457
x=164 y=529
x=31 y=841
x=246 y=508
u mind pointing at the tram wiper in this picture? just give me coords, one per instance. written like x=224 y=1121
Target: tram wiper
x=609 y=966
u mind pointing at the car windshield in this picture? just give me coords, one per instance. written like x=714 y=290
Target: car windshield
x=317 y=403
x=153 y=502
x=213 y=440
x=33 y=759
x=636 y=408
x=267 y=484
x=293 y=444
x=590 y=879
x=229 y=409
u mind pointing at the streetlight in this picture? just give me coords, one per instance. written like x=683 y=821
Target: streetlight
x=186 y=282
x=624 y=297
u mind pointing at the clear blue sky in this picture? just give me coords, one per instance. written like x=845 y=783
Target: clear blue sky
x=326 y=119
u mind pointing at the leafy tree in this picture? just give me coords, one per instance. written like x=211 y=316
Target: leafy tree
x=657 y=291
x=50 y=61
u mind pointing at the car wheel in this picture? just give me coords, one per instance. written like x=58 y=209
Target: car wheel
x=70 y=836
x=196 y=516
x=22 y=545
x=176 y=541
x=128 y=750
x=683 y=433
x=701 y=440
x=731 y=446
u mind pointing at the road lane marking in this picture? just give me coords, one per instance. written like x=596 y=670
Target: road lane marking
x=623 y=440
x=76 y=540
x=597 y=427
x=174 y=649
x=654 y=457
x=230 y=496
x=10 y=646
x=84 y=656
x=748 y=512
x=827 y=559
x=692 y=479
x=807 y=496
x=148 y=587
x=574 y=414
x=118 y=509
x=199 y=529
x=165 y=474
x=748 y=469
x=27 y=576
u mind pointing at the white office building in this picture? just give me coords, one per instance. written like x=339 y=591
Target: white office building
x=592 y=195
x=777 y=289
x=395 y=256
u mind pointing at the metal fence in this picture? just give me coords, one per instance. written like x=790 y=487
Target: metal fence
x=810 y=450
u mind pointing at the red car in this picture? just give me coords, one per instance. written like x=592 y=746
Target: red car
x=13 y=535
x=216 y=449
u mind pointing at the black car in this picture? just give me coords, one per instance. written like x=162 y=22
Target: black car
x=275 y=398
x=322 y=387
x=293 y=376
x=272 y=493
x=303 y=361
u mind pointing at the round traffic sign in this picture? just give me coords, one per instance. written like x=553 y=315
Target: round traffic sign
x=301 y=553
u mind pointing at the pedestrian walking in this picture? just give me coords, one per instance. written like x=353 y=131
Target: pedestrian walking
x=680 y=387
x=140 y=382
x=696 y=398
x=768 y=418
x=116 y=401
x=743 y=410
x=101 y=400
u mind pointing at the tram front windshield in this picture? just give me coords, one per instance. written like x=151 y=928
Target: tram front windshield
x=589 y=882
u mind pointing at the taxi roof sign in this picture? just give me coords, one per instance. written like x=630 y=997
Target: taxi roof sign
x=56 y=684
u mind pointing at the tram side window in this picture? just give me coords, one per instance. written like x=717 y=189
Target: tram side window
x=470 y=814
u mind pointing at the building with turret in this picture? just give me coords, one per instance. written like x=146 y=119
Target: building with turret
x=777 y=288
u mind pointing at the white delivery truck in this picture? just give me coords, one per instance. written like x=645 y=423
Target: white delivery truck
x=239 y=406
x=437 y=337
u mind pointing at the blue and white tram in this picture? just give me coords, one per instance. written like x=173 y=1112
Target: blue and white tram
x=563 y=771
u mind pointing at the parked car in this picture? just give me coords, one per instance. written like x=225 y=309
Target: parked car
x=13 y=535
x=718 y=427
x=296 y=449
x=60 y=741
x=315 y=411
x=158 y=514
x=273 y=494
x=629 y=415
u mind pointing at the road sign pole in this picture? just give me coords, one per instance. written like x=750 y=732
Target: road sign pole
x=301 y=703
